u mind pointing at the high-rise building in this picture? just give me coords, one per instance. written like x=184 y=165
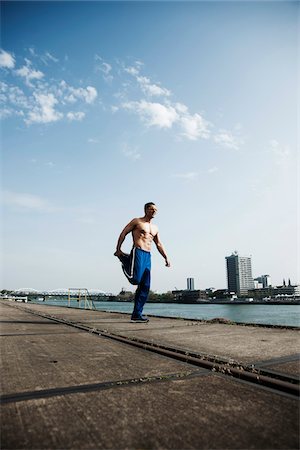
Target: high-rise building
x=239 y=274
x=263 y=281
x=190 y=284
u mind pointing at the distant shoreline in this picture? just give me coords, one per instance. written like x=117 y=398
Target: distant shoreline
x=221 y=302
x=114 y=299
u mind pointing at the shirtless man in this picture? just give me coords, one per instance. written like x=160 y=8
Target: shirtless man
x=137 y=265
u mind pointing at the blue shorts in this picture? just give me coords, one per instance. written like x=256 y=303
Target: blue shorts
x=135 y=264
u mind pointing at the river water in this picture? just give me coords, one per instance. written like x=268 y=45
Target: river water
x=248 y=313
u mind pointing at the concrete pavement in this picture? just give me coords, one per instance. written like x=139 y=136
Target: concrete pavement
x=63 y=388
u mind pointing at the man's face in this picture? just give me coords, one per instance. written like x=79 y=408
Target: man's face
x=151 y=211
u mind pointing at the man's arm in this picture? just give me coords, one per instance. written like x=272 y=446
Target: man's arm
x=129 y=227
x=161 y=249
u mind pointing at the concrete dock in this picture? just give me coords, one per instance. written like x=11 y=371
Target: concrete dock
x=68 y=383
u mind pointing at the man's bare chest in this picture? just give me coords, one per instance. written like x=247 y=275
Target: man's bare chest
x=146 y=229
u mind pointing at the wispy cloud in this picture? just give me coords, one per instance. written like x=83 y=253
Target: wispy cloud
x=132 y=70
x=42 y=100
x=46 y=57
x=50 y=100
x=188 y=176
x=135 y=67
x=77 y=116
x=151 y=88
x=163 y=113
x=281 y=152
x=226 y=139
x=105 y=68
x=131 y=152
x=16 y=96
x=146 y=85
x=27 y=202
x=71 y=94
x=29 y=74
x=49 y=57
x=23 y=202
x=7 y=60
x=194 y=126
x=213 y=170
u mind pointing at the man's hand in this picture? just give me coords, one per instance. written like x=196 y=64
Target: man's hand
x=168 y=264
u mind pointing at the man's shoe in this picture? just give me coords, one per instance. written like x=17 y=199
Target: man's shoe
x=140 y=319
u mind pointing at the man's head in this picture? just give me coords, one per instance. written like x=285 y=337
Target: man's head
x=150 y=209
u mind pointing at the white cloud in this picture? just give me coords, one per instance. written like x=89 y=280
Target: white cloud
x=29 y=74
x=6 y=112
x=152 y=89
x=43 y=111
x=145 y=83
x=165 y=114
x=7 y=60
x=41 y=102
x=3 y=87
x=50 y=57
x=194 y=126
x=181 y=108
x=105 y=68
x=227 y=139
x=93 y=141
x=39 y=107
x=75 y=115
x=153 y=114
x=32 y=51
x=88 y=94
x=13 y=95
x=45 y=58
x=17 y=97
x=132 y=70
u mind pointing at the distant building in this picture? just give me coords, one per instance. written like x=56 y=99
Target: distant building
x=239 y=274
x=288 y=290
x=190 y=284
x=278 y=292
x=218 y=294
x=188 y=296
x=263 y=281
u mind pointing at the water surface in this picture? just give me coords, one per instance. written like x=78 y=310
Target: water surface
x=288 y=315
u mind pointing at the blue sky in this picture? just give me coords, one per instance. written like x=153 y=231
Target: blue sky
x=109 y=105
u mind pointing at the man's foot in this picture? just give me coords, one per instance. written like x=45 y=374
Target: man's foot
x=140 y=319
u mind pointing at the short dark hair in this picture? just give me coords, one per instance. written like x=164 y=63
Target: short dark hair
x=147 y=205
